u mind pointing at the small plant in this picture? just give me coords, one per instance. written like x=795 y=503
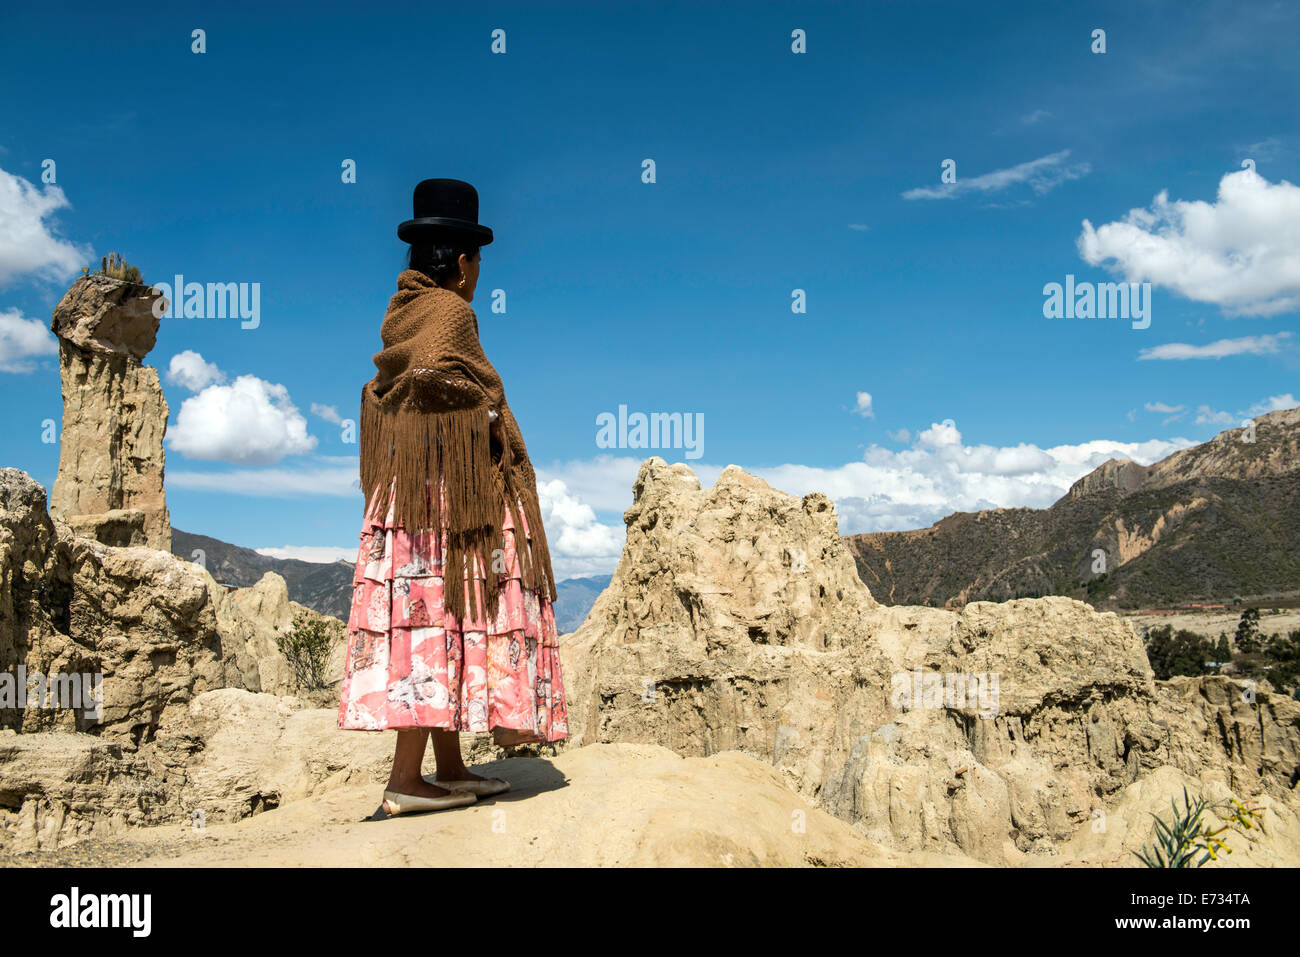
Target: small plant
x=1188 y=835
x=306 y=646
x=115 y=267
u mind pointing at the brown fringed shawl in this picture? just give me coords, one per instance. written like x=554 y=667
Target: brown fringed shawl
x=425 y=413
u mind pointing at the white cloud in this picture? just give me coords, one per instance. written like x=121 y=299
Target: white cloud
x=580 y=545
x=603 y=482
x=250 y=421
x=27 y=244
x=940 y=474
x=1174 y=412
x=189 y=371
x=1029 y=119
x=888 y=490
x=893 y=490
x=1207 y=416
x=1042 y=175
x=863 y=407
x=1274 y=403
x=1246 y=345
x=1241 y=253
x=327 y=412
x=324 y=554
x=902 y=435
x=331 y=476
x=23 y=341
x=859 y=227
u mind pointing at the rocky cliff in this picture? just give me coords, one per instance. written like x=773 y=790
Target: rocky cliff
x=159 y=630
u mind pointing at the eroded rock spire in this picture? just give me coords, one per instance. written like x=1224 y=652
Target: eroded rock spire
x=110 y=481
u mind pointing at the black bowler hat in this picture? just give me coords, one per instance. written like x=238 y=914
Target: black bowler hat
x=446 y=210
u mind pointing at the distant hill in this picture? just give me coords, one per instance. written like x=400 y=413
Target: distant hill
x=1215 y=521
x=576 y=596
x=326 y=587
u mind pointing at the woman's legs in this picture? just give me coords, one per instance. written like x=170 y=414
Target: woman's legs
x=450 y=763
x=408 y=758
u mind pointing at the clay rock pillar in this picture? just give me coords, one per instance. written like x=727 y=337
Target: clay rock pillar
x=110 y=482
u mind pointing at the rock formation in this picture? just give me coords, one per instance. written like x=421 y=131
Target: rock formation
x=248 y=620
x=735 y=621
x=1123 y=474
x=735 y=662
x=35 y=593
x=159 y=630
x=223 y=756
x=110 y=481
x=244 y=779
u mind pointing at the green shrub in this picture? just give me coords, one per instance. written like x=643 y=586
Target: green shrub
x=115 y=267
x=306 y=646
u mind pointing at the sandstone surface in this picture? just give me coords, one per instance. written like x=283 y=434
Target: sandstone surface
x=735 y=621
x=159 y=630
x=110 y=481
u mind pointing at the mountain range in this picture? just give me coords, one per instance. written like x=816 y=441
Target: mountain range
x=326 y=587
x=1213 y=522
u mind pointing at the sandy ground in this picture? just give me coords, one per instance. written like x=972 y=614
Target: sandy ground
x=602 y=805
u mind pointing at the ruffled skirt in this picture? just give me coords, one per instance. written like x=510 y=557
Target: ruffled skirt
x=412 y=664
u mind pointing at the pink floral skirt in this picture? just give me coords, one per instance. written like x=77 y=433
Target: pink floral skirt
x=412 y=664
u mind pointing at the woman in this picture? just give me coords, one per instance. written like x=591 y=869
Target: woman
x=451 y=627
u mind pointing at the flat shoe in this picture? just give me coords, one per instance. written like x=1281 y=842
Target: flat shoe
x=484 y=788
x=395 y=803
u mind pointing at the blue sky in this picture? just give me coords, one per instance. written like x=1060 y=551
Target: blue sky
x=922 y=379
